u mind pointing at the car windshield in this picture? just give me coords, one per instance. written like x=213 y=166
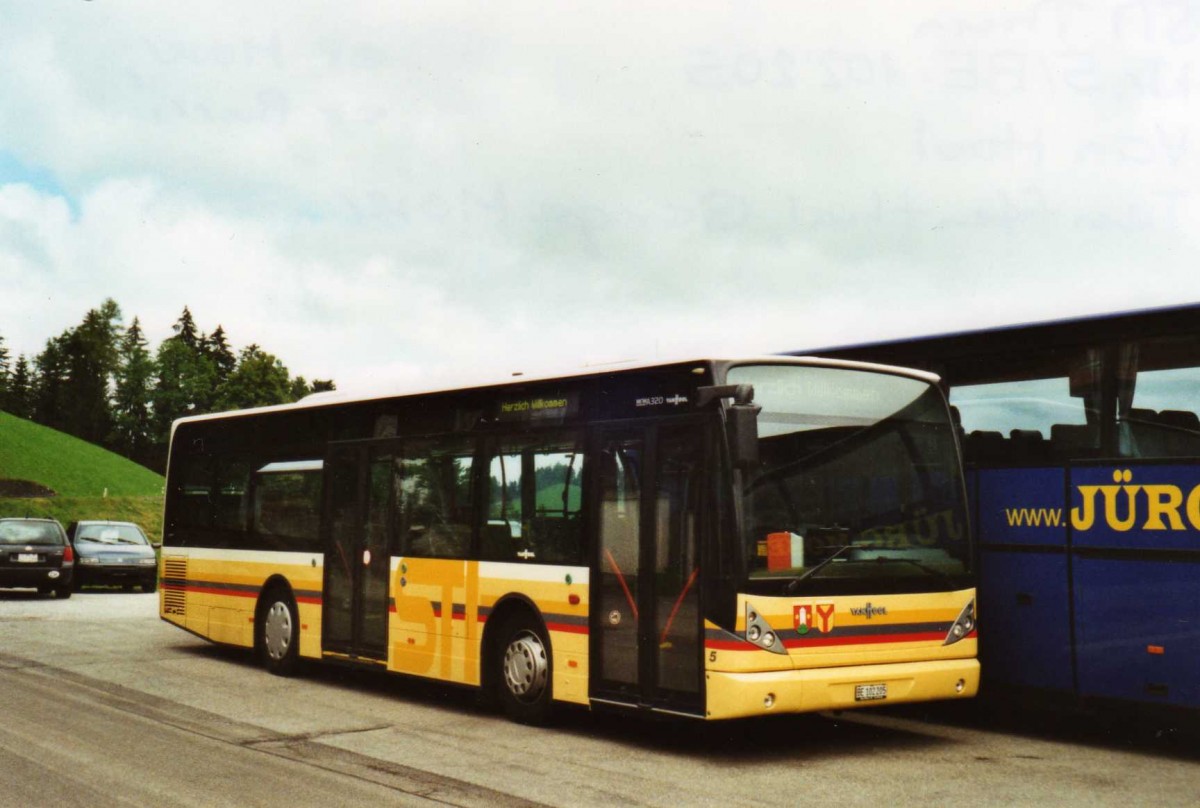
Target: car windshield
x=857 y=488
x=21 y=532
x=110 y=534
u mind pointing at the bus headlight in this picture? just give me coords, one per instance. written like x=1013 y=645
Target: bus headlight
x=759 y=632
x=963 y=626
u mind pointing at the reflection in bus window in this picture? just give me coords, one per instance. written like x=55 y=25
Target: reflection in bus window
x=1054 y=411
x=434 y=499
x=1159 y=409
x=287 y=506
x=534 y=500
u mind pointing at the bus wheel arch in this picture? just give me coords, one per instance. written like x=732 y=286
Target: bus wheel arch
x=277 y=627
x=517 y=665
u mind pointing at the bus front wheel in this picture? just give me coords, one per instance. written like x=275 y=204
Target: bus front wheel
x=278 y=633
x=523 y=670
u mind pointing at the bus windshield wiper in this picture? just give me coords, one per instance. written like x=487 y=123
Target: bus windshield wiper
x=795 y=582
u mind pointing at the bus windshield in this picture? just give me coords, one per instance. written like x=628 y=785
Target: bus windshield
x=857 y=488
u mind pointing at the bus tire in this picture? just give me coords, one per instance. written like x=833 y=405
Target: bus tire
x=523 y=670
x=279 y=632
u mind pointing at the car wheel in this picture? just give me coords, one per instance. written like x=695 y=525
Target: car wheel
x=522 y=670
x=62 y=592
x=150 y=585
x=279 y=633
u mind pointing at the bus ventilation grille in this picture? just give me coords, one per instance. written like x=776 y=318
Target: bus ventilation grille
x=173 y=592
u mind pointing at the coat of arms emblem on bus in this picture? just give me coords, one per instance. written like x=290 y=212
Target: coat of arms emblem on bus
x=813 y=617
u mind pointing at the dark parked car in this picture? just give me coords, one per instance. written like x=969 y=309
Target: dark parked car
x=36 y=553
x=113 y=553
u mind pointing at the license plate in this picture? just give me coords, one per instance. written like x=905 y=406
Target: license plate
x=28 y=558
x=870 y=692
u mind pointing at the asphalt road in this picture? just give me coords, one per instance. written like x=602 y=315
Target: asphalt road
x=103 y=704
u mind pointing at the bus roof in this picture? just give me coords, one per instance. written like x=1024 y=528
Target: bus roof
x=333 y=398
x=1162 y=321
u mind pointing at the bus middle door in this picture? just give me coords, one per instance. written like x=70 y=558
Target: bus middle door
x=355 y=535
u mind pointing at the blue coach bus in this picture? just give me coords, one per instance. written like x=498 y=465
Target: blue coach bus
x=1082 y=444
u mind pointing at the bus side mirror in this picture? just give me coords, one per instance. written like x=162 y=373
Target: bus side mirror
x=741 y=420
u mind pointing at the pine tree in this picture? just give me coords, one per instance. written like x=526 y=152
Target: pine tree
x=91 y=356
x=50 y=385
x=185 y=330
x=132 y=428
x=216 y=347
x=184 y=385
x=20 y=396
x=4 y=374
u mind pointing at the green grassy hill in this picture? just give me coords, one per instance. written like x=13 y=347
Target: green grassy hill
x=88 y=482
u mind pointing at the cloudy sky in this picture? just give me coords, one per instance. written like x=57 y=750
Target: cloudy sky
x=390 y=190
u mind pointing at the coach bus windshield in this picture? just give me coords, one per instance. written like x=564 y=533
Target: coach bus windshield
x=857 y=487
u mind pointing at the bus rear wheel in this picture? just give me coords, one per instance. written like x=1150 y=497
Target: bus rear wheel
x=278 y=633
x=523 y=669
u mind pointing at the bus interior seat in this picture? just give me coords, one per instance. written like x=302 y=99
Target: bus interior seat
x=1182 y=432
x=1074 y=440
x=956 y=421
x=1140 y=426
x=557 y=538
x=1170 y=433
x=1029 y=444
x=496 y=541
x=1180 y=419
x=985 y=445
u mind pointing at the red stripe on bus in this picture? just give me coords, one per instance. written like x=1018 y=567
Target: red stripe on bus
x=206 y=590
x=743 y=645
x=233 y=593
x=567 y=628
x=729 y=645
x=868 y=639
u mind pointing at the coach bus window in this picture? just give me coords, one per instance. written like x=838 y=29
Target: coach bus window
x=287 y=509
x=1048 y=406
x=534 y=505
x=434 y=499
x=1159 y=411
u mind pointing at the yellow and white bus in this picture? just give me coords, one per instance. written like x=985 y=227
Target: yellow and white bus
x=712 y=538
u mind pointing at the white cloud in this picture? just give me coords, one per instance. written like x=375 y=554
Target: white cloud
x=400 y=188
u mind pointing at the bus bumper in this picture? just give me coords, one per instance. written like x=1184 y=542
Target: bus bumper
x=739 y=695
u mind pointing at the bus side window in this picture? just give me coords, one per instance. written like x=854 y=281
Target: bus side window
x=286 y=511
x=1033 y=407
x=193 y=511
x=534 y=508
x=433 y=498
x=1160 y=399
x=230 y=503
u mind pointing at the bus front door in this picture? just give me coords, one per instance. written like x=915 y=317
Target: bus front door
x=355 y=536
x=646 y=624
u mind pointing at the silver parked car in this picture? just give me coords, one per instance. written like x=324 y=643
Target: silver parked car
x=113 y=553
